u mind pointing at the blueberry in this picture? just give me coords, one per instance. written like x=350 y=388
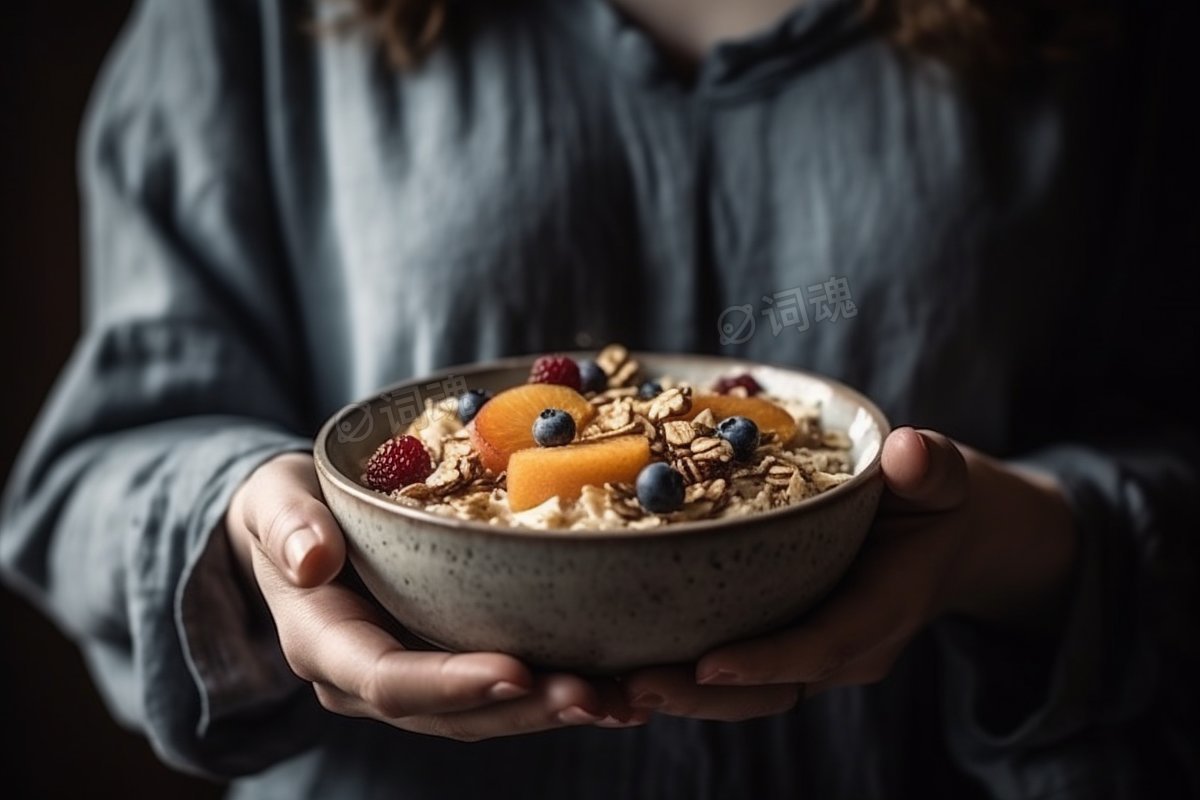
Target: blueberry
x=650 y=390
x=469 y=403
x=660 y=488
x=742 y=434
x=591 y=377
x=553 y=427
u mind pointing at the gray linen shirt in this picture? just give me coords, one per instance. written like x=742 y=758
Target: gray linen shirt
x=278 y=224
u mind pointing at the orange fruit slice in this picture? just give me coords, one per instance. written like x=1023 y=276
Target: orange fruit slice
x=505 y=423
x=539 y=473
x=765 y=414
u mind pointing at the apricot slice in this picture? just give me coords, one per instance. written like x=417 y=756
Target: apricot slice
x=539 y=473
x=765 y=414
x=505 y=424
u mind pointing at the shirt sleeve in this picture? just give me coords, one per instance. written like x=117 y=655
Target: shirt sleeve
x=1111 y=707
x=1032 y=719
x=188 y=375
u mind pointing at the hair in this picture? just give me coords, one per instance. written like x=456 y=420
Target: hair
x=970 y=36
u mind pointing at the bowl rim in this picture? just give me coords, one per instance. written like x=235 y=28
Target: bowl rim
x=419 y=515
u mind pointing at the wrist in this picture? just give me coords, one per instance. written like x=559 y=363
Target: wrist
x=1018 y=563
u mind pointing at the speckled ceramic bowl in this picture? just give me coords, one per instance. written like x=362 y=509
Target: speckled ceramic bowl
x=600 y=601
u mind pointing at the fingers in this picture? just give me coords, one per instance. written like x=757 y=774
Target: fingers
x=335 y=639
x=924 y=471
x=332 y=636
x=618 y=712
x=557 y=701
x=282 y=509
x=674 y=691
x=886 y=599
x=554 y=701
x=893 y=590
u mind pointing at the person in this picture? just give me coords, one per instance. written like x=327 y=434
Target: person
x=283 y=215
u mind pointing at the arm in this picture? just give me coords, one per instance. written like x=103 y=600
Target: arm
x=160 y=500
x=1068 y=606
x=187 y=376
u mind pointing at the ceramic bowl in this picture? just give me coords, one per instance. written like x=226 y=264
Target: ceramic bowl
x=600 y=602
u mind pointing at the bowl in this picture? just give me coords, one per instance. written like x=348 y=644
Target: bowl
x=601 y=601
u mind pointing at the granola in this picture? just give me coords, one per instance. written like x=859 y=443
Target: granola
x=716 y=484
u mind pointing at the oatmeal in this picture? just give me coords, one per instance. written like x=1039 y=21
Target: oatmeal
x=729 y=454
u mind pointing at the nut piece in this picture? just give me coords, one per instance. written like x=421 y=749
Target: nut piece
x=618 y=366
x=780 y=474
x=670 y=403
x=824 y=481
x=689 y=469
x=618 y=415
x=679 y=434
x=456 y=449
x=710 y=448
x=418 y=492
x=705 y=422
x=446 y=477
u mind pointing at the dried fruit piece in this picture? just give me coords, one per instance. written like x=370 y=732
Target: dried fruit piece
x=765 y=414
x=744 y=381
x=505 y=424
x=537 y=474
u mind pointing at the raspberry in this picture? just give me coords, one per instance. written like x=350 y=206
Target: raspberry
x=726 y=385
x=556 y=369
x=398 y=462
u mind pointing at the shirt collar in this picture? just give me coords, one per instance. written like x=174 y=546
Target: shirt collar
x=806 y=35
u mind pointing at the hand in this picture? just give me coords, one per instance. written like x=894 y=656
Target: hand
x=957 y=533
x=290 y=547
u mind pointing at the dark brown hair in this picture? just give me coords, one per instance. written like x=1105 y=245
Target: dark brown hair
x=970 y=35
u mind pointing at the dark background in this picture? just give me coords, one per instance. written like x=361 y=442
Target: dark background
x=59 y=739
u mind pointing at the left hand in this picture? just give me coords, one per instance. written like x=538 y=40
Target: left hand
x=957 y=533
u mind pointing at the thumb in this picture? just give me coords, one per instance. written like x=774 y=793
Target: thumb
x=283 y=510
x=923 y=470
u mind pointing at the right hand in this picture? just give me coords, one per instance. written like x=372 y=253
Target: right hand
x=290 y=547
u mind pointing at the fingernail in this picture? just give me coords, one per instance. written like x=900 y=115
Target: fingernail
x=575 y=715
x=505 y=690
x=298 y=546
x=648 y=700
x=612 y=722
x=720 y=676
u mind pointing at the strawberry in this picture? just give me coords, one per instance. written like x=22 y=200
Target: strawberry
x=745 y=381
x=398 y=462
x=558 y=370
